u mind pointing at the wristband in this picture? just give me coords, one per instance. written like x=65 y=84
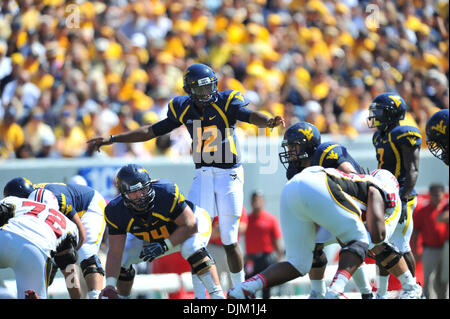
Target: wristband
x=111 y=281
x=168 y=243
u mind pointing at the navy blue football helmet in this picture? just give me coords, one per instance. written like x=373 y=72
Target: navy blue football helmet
x=200 y=83
x=19 y=187
x=386 y=110
x=437 y=135
x=300 y=142
x=130 y=179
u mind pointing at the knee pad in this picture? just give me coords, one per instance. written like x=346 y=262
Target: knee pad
x=357 y=247
x=91 y=265
x=319 y=258
x=127 y=274
x=195 y=260
x=388 y=251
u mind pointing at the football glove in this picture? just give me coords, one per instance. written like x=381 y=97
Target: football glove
x=153 y=250
x=6 y=212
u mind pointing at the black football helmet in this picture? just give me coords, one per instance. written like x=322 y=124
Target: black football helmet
x=437 y=135
x=130 y=179
x=304 y=134
x=385 y=111
x=19 y=187
x=200 y=83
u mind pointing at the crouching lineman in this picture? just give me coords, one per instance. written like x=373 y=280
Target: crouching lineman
x=31 y=232
x=85 y=207
x=150 y=218
x=341 y=203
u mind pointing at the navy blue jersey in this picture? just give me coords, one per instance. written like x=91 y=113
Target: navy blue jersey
x=159 y=223
x=388 y=149
x=328 y=155
x=72 y=198
x=214 y=142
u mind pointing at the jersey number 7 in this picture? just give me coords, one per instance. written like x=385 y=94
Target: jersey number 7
x=55 y=219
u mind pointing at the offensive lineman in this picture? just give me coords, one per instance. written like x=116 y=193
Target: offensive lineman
x=360 y=210
x=150 y=218
x=86 y=206
x=210 y=117
x=32 y=231
x=303 y=148
x=398 y=149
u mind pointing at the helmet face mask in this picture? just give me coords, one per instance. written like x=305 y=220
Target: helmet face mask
x=299 y=144
x=134 y=184
x=437 y=135
x=200 y=83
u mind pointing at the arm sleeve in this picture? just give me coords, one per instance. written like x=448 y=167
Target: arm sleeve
x=165 y=126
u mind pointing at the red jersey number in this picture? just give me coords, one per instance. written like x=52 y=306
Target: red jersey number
x=55 y=219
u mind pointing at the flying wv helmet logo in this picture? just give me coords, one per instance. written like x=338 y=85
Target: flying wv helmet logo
x=307 y=132
x=396 y=100
x=441 y=128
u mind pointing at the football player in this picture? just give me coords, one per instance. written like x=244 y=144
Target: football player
x=85 y=206
x=360 y=210
x=303 y=148
x=437 y=135
x=397 y=149
x=210 y=117
x=33 y=230
x=158 y=221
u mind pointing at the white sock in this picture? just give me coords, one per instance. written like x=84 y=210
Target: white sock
x=255 y=283
x=125 y=297
x=198 y=287
x=407 y=280
x=93 y=294
x=319 y=286
x=237 y=277
x=361 y=280
x=340 y=280
x=215 y=291
x=383 y=283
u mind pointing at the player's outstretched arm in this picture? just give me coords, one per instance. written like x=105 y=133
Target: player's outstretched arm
x=262 y=120
x=141 y=134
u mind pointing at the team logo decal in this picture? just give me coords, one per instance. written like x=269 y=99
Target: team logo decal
x=396 y=99
x=308 y=133
x=441 y=128
x=412 y=140
x=332 y=155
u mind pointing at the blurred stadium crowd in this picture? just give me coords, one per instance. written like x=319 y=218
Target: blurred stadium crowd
x=71 y=70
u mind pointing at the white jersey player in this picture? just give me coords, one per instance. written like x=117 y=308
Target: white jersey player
x=357 y=209
x=30 y=237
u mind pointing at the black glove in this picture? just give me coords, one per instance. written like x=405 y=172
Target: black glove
x=6 y=212
x=404 y=213
x=151 y=251
x=69 y=242
x=66 y=253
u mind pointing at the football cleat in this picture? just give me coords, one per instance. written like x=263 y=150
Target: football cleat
x=31 y=294
x=414 y=293
x=381 y=296
x=238 y=292
x=367 y=296
x=315 y=295
x=332 y=294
